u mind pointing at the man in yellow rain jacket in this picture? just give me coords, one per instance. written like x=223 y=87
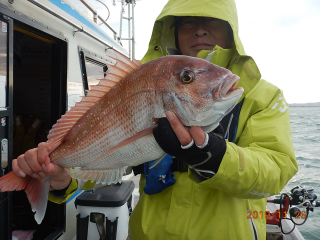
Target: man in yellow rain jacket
x=258 y=164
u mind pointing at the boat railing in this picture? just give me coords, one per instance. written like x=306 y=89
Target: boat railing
x=77 y=27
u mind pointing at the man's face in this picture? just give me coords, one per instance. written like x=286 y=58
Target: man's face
x=202 y=33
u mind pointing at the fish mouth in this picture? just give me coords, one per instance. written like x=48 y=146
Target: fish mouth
x=227 y=89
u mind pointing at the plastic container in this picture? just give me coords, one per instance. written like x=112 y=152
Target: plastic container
x=103 y=213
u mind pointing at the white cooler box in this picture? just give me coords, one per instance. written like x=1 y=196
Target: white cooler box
x=103 y=213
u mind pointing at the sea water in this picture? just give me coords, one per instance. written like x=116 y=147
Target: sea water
x=305 y=128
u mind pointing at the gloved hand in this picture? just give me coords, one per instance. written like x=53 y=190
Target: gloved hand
x=207 y=158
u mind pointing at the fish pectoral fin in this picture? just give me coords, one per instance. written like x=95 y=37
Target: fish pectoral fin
x=157 y=161
x=138 y=135
x=108 y=176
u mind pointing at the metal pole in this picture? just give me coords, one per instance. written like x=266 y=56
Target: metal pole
x=129 y=30
x=133 y=39
x=94 y=12
x=105 y=23
x=121 y=13
x=95 y=16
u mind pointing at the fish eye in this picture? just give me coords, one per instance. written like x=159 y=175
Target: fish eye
x=187 y=77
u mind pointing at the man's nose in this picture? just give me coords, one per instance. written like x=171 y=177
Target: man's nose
x=200 y=30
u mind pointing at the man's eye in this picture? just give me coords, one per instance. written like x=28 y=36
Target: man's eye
x=188 y=22
x=212 y=22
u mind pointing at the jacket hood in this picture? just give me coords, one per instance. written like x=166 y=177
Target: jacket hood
x=237 y=61
x=163 y=36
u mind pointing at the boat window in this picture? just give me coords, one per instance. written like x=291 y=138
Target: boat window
x=93 y=68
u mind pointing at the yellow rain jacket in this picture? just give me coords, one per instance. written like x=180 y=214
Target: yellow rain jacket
x=259 y=164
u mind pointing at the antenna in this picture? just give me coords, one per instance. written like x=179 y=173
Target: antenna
x=131 y=37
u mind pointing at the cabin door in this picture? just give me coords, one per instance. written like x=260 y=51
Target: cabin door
x=33 y=96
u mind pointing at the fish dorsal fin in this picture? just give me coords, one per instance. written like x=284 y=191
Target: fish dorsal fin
x=134 y=64
x=114 y=74
x=138 y=63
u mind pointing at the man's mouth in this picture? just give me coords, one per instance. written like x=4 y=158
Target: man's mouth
x=200 y=45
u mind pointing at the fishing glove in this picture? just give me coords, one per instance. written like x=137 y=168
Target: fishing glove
x=207 y=158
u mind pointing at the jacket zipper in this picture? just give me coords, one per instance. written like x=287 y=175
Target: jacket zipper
x=226 y=136
x=255 y=235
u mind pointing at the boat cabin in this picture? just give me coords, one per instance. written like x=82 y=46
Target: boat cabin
x=50 y=53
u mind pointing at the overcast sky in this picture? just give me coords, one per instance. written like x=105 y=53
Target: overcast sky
x=282 y=36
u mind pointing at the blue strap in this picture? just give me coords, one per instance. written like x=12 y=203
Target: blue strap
x=159 y=177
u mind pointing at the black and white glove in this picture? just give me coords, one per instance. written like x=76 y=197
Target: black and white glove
x=205 y=159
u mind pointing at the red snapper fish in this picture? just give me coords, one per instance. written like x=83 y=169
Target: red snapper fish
x=111 y=128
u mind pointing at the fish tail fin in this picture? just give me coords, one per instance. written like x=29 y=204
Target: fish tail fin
x=36 y=190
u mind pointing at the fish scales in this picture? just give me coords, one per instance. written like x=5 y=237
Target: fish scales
x=126 y=110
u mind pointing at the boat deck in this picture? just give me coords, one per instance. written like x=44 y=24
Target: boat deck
x=273 y=231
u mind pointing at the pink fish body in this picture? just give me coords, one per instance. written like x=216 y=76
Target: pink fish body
x=111 y=128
